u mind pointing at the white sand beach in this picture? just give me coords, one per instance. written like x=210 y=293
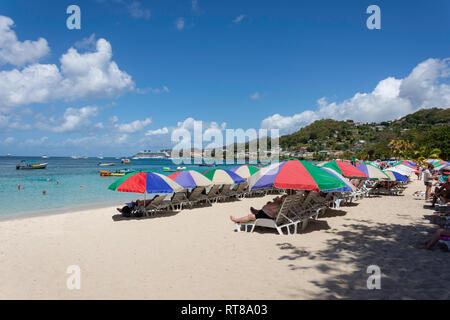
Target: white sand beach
x=196 y=254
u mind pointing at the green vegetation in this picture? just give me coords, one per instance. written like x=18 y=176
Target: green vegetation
x=423 y=134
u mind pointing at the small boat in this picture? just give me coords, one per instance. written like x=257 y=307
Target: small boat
x=125 y=161
x=206 y=165
x=105 y=164
x=105 y=173
x=45 y=157
x=100 y=157
x=28 y=165
x=181 y=168
x=167 y=169
x=117 y=173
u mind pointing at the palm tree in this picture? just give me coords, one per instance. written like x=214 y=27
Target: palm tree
x=399 y=147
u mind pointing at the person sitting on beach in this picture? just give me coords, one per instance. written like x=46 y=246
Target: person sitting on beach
x=442 y=193
x=268 y=211
x=128 y=209
x=441 y=232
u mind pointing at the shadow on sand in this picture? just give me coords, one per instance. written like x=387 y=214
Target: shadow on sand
x=407 y=272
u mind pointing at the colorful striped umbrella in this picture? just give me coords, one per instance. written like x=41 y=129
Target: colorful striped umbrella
x=245 y=170
x=390 y=175
x=345 y=169
x=145 y=182
x=372 y=172
x=222 y=176
x=397 y=176
x=349 y=187
x=190 y=179
x=404 y=170
x=295 y=174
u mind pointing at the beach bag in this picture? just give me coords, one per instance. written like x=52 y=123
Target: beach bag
x=126 y=212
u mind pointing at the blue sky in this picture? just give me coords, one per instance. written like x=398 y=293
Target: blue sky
x=230 y=64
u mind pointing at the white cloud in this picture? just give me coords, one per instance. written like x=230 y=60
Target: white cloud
x=156 y=132
x=137 y=11
x=179 y=23
x=87 y=43
x=33 y=142
x=255 y=96
x=239 y=18
x=90 y=74
x=194 y=5
x=13 y=123
x=133 y=127
x=8 y=141
x=164 y=89
x=392 y=98
x=133 y=7
x=15 y=52
x=72 y=120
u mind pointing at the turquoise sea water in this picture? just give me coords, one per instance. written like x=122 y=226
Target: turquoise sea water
x=67 y=195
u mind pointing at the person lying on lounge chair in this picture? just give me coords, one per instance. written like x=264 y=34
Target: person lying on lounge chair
x=268 y=211
x=127 y=210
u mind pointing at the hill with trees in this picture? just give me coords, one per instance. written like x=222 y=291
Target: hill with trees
x=423 y=134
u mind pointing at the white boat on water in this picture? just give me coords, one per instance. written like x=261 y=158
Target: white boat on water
x=105 y=164
x=148 y=154
x=45 y=157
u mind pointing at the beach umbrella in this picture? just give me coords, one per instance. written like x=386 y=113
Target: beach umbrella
x=404 y=170
x=372 y=172
x=295 y=174
x=190 y=179
x=390 y=175
x=245 y=170
x=445 y=168
x=349 y=186
x=397 y=176
x=345 y=169
x=222 y=176
x=145 y=182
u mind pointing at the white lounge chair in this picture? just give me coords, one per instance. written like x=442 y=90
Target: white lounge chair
x=285 y=218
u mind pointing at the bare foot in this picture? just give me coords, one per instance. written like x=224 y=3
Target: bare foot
x=233 y=219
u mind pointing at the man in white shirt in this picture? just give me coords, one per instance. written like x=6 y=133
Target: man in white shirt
x=428 y=180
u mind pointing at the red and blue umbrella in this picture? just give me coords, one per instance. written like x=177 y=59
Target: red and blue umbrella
x=146 y=182
x=190 y=179
x=295 y=174
x=344 y=169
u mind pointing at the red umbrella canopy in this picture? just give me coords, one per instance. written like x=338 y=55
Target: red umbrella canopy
x=295 y=174
x=345 y=169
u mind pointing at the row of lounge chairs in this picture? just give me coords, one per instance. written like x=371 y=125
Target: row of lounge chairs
x=296 y=209
x=198 y=196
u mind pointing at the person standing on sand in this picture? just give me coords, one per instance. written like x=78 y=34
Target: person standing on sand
x=428 y=181
x=420 y=172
